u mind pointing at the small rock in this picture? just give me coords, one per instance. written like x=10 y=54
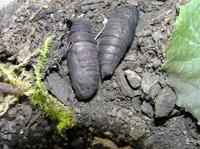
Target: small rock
x=89 y=2
x=113 y=112
x=90 y=14
x=133 y=78
x=144 y=33
x=113 y=4
x=120 y=114
x=132 y=2
x=124 y=114
x=165 y=102
x=12 y=113
x=155 y=90
x=85 y=7
x=148 y=81
x=100 y=143
x=103 y=5
x=156 y=62
x=108 y=134
x=91 y=129
x=149 y=141
x=158 y=3
x=123 y=84
x=131 y=56
x=10 y=127
x=139 y=69
x=175 y=112
x=94 y=6
x=157 y=35
x=108 y=2
x=33 y=127
x=136 y=93
x=58 y=86
x=162 y=80
x=138 y=127
x=136 y=104
x=114 y=84
x=147 y=109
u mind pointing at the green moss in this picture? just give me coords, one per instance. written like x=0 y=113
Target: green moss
x=35 y=89
x=55 y=110
x=44 y=53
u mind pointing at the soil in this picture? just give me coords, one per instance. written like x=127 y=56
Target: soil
x=134 y=109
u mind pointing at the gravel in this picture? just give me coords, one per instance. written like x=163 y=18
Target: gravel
x=133 y=78
x=147 y=109
x=148 y=81
x=165 y=102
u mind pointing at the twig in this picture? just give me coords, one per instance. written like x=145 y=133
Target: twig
x=28 y=59
x=104 y=25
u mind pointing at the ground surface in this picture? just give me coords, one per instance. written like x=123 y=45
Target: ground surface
x=133 y=109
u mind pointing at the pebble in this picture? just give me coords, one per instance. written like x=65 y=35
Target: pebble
x=157 y=35
x=139 y=69
x=158 y=3
x=123 y=84
x=147 y=109
x=113 y=112
x=103 y=143
x=90 y=14
x=148 y=81
x=164 y=102
x=85 y=7
x=131 y=56
x=133 y=78
x=94 y=6
x=132 y=2
x=58 y=86
x=114 y=4
x=136 y=93
x=138 y=127
x=12 y=113
x=144 y=33
x=124 y=114
x=108 y=2
x=89 y=2
x=108 y=134
x=91 y=129
x=155 y=90
x=114 y=84
x=156 y=62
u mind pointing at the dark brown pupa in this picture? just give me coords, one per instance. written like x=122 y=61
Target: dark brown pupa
x=82 y=59
x=116 y=38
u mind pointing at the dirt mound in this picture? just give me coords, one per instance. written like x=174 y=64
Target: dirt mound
x=133 y=109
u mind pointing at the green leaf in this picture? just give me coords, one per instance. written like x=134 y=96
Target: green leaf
x=183 y=58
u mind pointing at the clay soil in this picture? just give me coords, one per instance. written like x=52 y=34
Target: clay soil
x=134 y=109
